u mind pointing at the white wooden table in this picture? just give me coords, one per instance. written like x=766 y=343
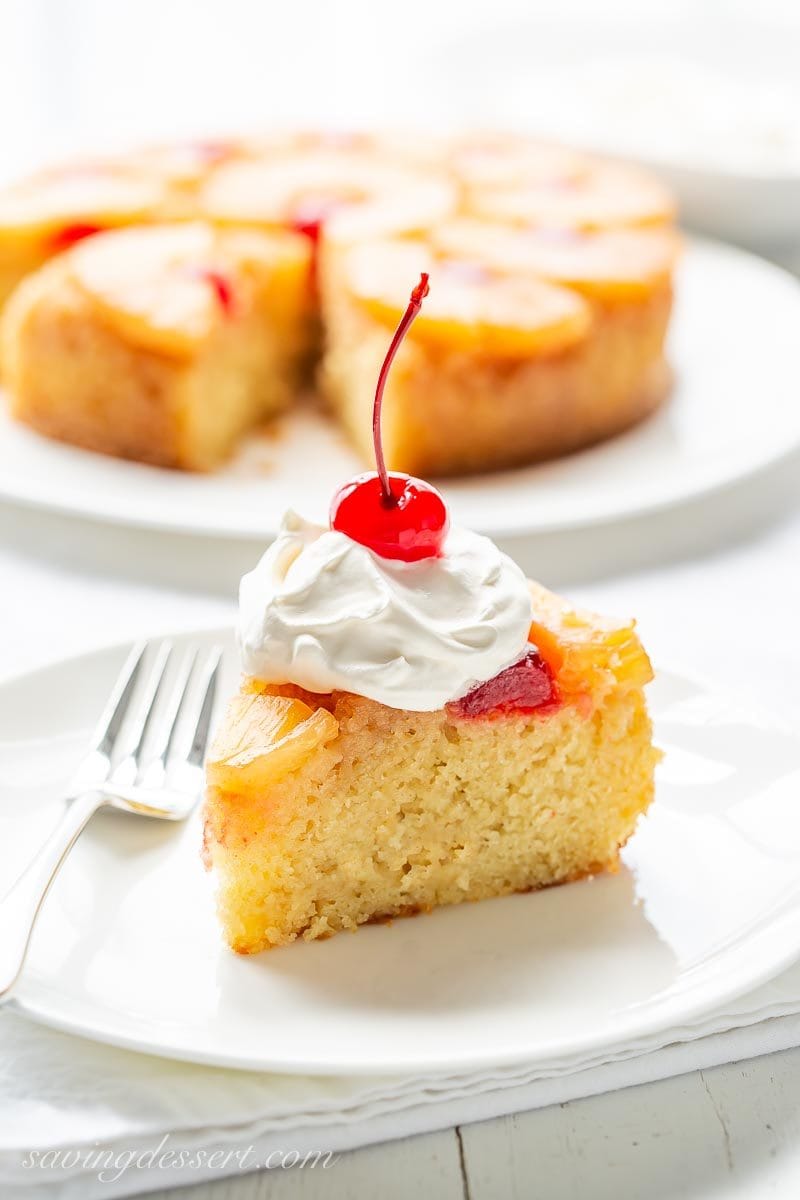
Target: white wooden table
x=732 y=1133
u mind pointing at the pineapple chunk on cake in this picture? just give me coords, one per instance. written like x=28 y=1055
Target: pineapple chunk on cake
x=266 y=737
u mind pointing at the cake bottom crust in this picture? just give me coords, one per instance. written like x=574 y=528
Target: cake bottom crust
x=409 y=910
x=404 y=812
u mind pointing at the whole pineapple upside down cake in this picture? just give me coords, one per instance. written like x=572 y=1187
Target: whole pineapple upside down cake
x=417 y=723
x=160 y=305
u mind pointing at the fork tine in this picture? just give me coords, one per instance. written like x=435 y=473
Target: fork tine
x=111 y=721
x=178 y=702
x=197 y=749
x=155 y=683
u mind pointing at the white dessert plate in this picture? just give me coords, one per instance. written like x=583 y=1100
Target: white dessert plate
x=127 y=949
x=733 y=412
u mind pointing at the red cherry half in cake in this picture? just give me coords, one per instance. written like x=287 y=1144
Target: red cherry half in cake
x=308 y=218
x=310 y=213
x=526 y=686
x=68 y=235
x=394 y=515
x=411 y=528
x=222 y=288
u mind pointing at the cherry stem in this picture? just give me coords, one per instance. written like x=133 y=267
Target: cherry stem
x=414 y=305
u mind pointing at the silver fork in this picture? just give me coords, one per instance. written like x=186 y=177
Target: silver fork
x=133 y=765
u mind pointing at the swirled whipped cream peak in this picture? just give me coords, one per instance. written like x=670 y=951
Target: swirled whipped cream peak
x=326 y=613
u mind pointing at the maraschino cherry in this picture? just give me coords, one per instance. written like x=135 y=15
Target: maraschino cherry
x=221 y=287
x=392 y=514
x=68 y=235
x=310 y=214
x=308 y=218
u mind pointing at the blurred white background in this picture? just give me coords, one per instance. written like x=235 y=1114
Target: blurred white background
x=72 y=70
x=707 y=90
x=695 y=86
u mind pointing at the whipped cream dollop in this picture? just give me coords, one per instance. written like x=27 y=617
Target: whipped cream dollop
x=324 y=612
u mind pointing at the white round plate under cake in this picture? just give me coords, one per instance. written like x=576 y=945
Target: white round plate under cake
x=733 y=412
x=127 y=949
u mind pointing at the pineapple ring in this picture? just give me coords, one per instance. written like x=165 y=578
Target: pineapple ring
x=184 y=165
x=469 y=308
x=507 y=160
x=360 y=196
x=102 y=194
x=602 y=197
x=606 y=264
x=161 y=285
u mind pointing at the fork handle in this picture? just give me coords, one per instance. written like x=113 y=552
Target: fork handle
x=20 y=907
